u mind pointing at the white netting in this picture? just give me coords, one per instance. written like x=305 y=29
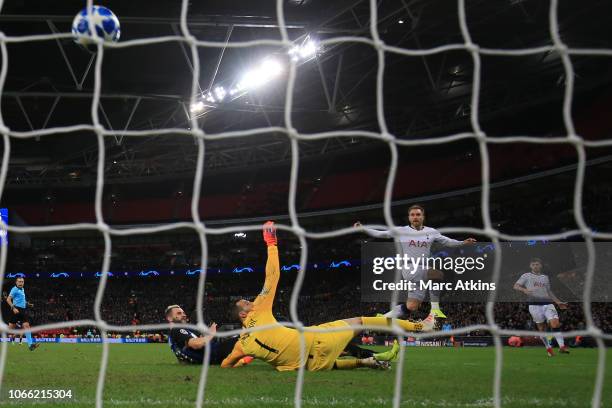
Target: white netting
x=294 y=137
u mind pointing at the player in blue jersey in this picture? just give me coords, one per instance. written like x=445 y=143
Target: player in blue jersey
x=189 y=345
x=18 y=304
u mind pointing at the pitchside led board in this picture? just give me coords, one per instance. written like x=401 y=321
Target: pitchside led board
x=3 y=232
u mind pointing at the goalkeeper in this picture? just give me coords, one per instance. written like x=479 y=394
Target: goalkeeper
x=280 y=345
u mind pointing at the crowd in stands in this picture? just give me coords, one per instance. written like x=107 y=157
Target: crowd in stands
x=324 y=297
x=327 y=294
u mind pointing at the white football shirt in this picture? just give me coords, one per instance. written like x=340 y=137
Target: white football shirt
x=539 y=285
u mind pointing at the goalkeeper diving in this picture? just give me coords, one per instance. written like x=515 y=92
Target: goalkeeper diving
x=280 y=345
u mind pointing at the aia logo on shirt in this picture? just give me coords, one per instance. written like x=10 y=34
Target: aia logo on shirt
x=539 y=285
x=418 y=244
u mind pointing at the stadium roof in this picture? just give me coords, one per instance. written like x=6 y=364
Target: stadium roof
x=50 y=83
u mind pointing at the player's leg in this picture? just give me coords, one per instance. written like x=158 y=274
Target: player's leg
x=352 y=363
x=388 y=355
x=329 y=346
x=12 y=336
x=434 y=294
x=15 y=322
x=415 y=297
x=423 y=326
x=26 y=326
x=403 y=309
x=537 y=314
x=360 y=352
x=434 y=300
x=354 y=350
x=553 y=322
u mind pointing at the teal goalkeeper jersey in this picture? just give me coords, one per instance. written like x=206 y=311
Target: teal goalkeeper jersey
x=18 y=296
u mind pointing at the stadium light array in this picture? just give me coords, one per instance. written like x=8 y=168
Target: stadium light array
x=268 y=69
x=305 y=51
x=220 y=93
x=197 y=107
x=264 y=73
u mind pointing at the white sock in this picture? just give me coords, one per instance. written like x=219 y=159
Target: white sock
x=559 y=339
x=435 y=305
x=396 y=312
x=545 y=341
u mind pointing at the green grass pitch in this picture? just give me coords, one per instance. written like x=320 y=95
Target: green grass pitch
x=148 y=375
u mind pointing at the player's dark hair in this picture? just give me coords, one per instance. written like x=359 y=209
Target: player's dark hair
x=535 y=259
x=169 y=309
x=416 y=207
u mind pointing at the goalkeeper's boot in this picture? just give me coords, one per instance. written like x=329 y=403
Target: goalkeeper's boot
x=438 y=313
x=429 y=324
x=388 y=355
x=563 y=350
x=34 y=346
x=269 y=233
x=550 y=352
x=371 y=362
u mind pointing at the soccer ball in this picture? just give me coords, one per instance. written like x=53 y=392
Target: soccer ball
x=102 y=19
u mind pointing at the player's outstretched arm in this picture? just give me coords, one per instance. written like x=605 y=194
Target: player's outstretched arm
x=235 y=358
x=201 y=342
x=373 y=232
x=266 y=297
x=449 y=242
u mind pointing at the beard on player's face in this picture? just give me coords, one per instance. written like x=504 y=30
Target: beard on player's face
x=416 y=220
x=179 y=316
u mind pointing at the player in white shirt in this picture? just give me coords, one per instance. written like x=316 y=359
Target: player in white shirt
x=536 y=286
x=416 y=240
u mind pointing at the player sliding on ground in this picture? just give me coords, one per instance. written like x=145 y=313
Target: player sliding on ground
x=536 y=286
x=416 y=240
x=189 y=345
x=280 y=345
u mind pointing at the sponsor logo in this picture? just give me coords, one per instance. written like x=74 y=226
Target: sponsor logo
x=339 y=264
x=149 y=273
x=98 y=274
